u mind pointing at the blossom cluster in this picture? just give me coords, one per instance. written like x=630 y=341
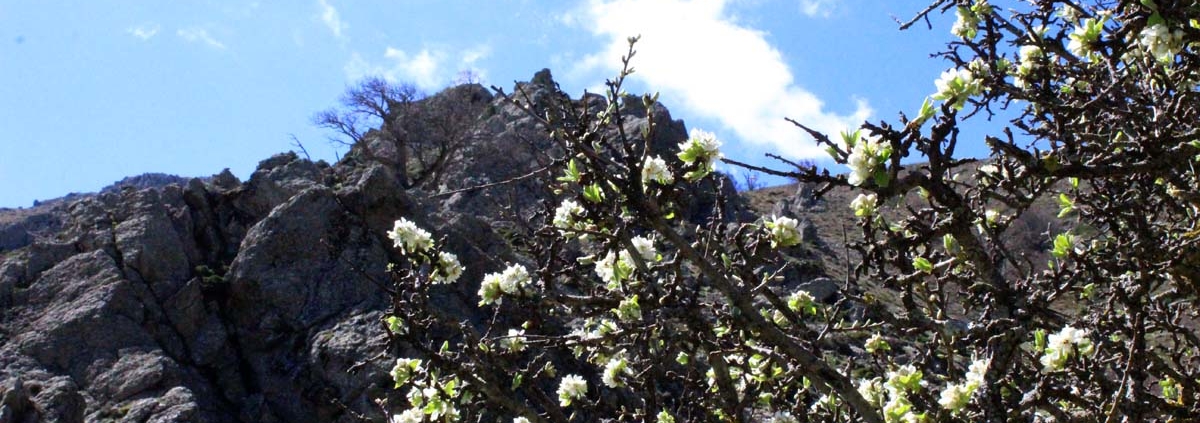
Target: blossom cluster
x=1085 y=37
x=866 y=154
x=409 y=238
x=784 y=231
x=1029 y=58
x=655 y=170
x=966 y=26
x=702 y=149
x=864 y=205
x=956 y=395
x=617 y=266
x=417 y=244
x=955 y=86
x=568 y=217
x=1063 y=345
x=515 y=341
x=428 y=395
x=571 y=388
x=448 y=269
x=899 y=383
x=616 y=368
x=513 y=280
x=1161 y=42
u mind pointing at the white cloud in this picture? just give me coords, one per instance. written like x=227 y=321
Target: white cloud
x=329 y=16
x=814 y=8
x=475 y=54
x=422 y=69
x=718 y=69
x=197 y=34
x=468 y=69
x=143 y=31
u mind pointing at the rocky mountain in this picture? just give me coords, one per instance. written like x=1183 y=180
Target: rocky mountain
x=220 y=300
x=19 y=227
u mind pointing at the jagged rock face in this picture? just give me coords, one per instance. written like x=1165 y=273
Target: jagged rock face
x=230 y=302
x=217 y=300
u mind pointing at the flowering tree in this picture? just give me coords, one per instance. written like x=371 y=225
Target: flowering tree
x=619 y=311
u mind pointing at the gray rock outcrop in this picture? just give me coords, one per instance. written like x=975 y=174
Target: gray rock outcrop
x=217 y=300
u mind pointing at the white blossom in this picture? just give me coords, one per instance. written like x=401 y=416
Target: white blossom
x=966 y=26
x=515 y=341
x=645 y=248
x=655 y=170
x=825 y=402
x=572 y=387
x=875 y=344
x=1085 y=36
x=489 y=289
x=702 y=148
x=615 y=267
x=448 y=269
x=1068 y=13
x=871 y=390
x=404 y=370
x=1161 y=41
x=1030 y=58
x=956 y=85
x=629 y=310
x=782 y=417
x=567 y=216
x=664 y=417
x=409 y=238
x=955 y=397
x=800 y=300
x=867 y=154
x=977 y=370
x=616 y=367
x=520 y=420
x=1063 y=345
x=903 y=379
x=785 y=231
x=511 y=281
x=412 y=415
x=864 y=205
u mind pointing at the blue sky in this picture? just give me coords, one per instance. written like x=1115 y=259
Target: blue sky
x=99 y=90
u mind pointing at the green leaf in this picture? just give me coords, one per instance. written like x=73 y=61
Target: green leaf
x=1062 y=245
x=923 y=264
x=1066 y=205
x=593 y=193
x=949 y=243
x=1087 y=291
x=882 y=178
x=1155 y=19
x=851 y=138
x=682 y=358
x=927 y=111
x=571 y=174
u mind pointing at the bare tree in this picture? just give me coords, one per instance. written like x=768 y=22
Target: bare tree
x=420 y=133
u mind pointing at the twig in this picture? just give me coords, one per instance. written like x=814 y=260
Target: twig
x=492 y=184
x=296 y=142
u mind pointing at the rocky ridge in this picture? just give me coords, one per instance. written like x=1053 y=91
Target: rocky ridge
x=220 y=300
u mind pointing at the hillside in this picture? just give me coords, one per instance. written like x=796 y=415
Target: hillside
x=220 y=300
